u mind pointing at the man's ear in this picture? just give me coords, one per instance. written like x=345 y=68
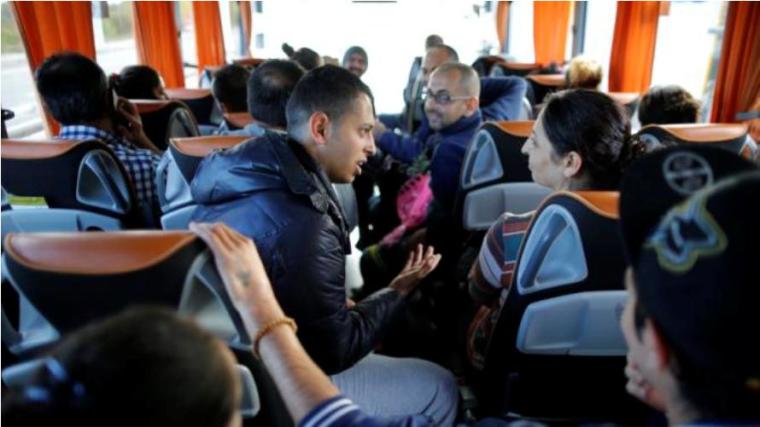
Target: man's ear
x=572 y=162
x=319 y=127
x=472 y=105
x=658 y=352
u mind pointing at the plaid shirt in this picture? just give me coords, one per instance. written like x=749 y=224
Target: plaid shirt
x=140 y=163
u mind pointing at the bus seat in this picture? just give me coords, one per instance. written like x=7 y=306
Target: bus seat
x=495 y=176
x=484 y=65
x=238 y=120
x=72 y=279
x=540 y=85
x=347 y=199
x=557 y=349
x=176 y=172
x=732 y=137
x=200 y=101
x=71 y=185
x=508 y=68
x=630 y=100
x=526 y=110
x=163 y=120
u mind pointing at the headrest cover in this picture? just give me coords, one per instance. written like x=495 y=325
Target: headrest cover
x=184 y=93
x=91 y=253
x=519 y=128
x=705 y=133
x=40 y=149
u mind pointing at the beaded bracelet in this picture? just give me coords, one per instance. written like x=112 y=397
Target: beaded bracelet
x=268 y=327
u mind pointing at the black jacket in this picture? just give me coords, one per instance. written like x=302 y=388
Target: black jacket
x=269 y=189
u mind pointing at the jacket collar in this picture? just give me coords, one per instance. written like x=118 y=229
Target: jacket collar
x=463 y=124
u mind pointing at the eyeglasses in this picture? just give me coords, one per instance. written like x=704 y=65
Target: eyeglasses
x=442 y=97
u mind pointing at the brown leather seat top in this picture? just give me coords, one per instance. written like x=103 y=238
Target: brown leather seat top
x=22 y=149
x=94 y=253
x=254 y=62
x=624 y=98
x=520 y=128
x=200 y=146
x=604 y=203
x=521 y=66
x=704 y=132
x=150 y=105
x=556 y=80
x=185 y=93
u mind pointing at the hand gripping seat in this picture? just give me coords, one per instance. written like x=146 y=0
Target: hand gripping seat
x=81 y=186
x=200 y=101
x=557 y=351
x=176 y=171
x=540 y=85
x=732 y=137
x=67 y=280
x=163 y=120
x=495 y=176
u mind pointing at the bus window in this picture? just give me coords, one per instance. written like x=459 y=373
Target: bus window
x=186 y=27
x=17 y=82
x=112 y=25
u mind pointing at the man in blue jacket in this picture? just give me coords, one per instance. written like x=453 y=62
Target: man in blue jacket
x=277 y=190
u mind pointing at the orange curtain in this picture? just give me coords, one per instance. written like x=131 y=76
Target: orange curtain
x=502 y=14
x=48 y=27
x=737 y=86
x=209 y=41
x=158 y=40
x=550 y=24
x=633 y=46
x=245 y=14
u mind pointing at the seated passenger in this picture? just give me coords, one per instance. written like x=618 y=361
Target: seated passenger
x=355 y=60
x=75 y=91
x=269 y=88
x=583 y=73
x=277 y=190
x=580 y=141
x=229 y=89
x=138 y=82
x=668 y=105
x=691 y=315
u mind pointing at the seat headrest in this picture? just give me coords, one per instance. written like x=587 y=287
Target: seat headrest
x=184 y=93
x=93 y=253
x=521 y=66
x=518 y=128
x=145 y=106
x=248 y=62
x=624 y=98
x=553 y=80
x=701 y=132
x=200 y=146
x=18 y=149
x=239 y=120
x=604 y=203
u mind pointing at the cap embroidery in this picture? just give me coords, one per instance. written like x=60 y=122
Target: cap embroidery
x=686 y=234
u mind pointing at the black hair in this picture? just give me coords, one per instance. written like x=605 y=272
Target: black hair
x=433 y=40
x=136 y=82
x=667 y=105
x=229 y=87
x=145 y=367
x=594 y=125
x=74 y=88
x=329 y=89
x=269 y=89
x=453 y=55
x=307 y=58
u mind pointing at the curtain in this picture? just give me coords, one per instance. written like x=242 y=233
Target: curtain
x=158 y=40
x=48 y=27
x=550 y=24
x=737 y=85
x=633 y=46
x=209 y=41
x=245 y=15
x=502 y=14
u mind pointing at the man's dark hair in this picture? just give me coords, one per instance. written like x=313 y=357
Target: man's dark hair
x=229 y=87
x=136 y=82
x=668 y=105
x=74 y=88
x=433 y=40
x=168 y=370
x=329 y=89
x=453 y=55
x=269 y=89
x=307 y=58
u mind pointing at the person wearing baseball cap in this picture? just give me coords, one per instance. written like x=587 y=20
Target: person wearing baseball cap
x=689 y=221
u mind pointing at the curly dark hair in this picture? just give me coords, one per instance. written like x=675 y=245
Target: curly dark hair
x=668 y=105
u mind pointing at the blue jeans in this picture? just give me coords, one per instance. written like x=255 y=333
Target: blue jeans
x=391 y=386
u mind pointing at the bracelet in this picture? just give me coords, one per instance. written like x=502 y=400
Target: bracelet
x=268 y=327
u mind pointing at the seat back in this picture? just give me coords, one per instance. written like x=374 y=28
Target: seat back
x=163 y=120
x=176 y=172
x=557 y=350
x=72 y=279
x=540 y=85
x=199 y=101
x=732 y=137
x=630 y=100
x=495 y=176
x=78 y=185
